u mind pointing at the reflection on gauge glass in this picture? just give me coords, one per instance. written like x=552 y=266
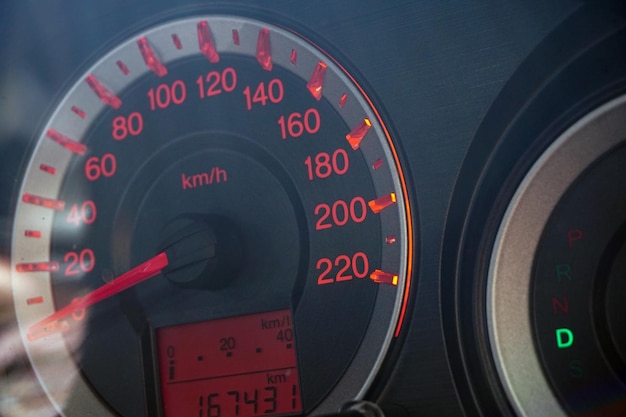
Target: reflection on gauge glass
x=213 y=219
x=557 y=275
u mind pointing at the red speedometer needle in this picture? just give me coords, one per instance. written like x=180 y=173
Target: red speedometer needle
x=140 y=273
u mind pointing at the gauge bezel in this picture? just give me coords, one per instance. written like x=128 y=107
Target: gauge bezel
x=512 y=258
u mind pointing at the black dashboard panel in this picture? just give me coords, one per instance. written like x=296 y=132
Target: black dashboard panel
x=472 y=92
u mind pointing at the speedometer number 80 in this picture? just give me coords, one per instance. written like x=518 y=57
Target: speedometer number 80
x=124 y=126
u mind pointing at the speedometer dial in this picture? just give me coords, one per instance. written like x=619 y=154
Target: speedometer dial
x=214 y=221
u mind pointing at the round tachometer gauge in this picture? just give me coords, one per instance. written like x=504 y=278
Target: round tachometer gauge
x=214 y=221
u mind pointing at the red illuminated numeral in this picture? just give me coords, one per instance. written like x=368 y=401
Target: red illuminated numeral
x=86 y=213
x=343 y=262
x=84 y=261
x=324 y=165
x=274 y=92
x=340 y=212
x=164 y=95
x=96 y=167
x=348 y=267
x=124 y=126
x=296 y=124
x=360 y=265
x=216 y=82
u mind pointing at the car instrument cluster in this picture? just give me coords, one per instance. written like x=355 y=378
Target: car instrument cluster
x=241 y=209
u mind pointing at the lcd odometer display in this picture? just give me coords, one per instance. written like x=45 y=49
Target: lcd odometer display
x=241 y=366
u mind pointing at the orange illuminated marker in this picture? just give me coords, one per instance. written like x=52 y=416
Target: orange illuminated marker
x=32 y=233
x=51 y=266
x=342 y=100
x=263 y=52
x=380 y=277
x=294 y=56
x=236 y=40
x=382 y=203
x=123 y=67
x=377 y=164
x=48 y=169
x=102 y=92
x=50 y=203
x=69 y=144
x=358 y=133
x=205 y=42
x=150 y=58
x=177 y=43
x=79 y=112
x=316 y=82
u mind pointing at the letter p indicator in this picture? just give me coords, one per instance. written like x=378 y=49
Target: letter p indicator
x=564 y=338
x=573 y=236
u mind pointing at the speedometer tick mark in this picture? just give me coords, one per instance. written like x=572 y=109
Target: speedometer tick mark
x=316 y=82
x=358 y=133
x=51 y=266
x=205 y=42
x=236 y=37
x=294 y=56
x=34 y=300
x=342 y=100
x=377 y=164
x=382 y=203
x=122 y=67
x=69 y=144
x=263 y=52
x=32 y=233
x=47 y=169
x=50 y=203
x=380 y=277
x=103 y=93
x=177 y=43
x=390 y=240
x=79 y=112
x=150 y=58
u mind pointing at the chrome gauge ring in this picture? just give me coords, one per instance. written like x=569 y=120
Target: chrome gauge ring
x=548 y=289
